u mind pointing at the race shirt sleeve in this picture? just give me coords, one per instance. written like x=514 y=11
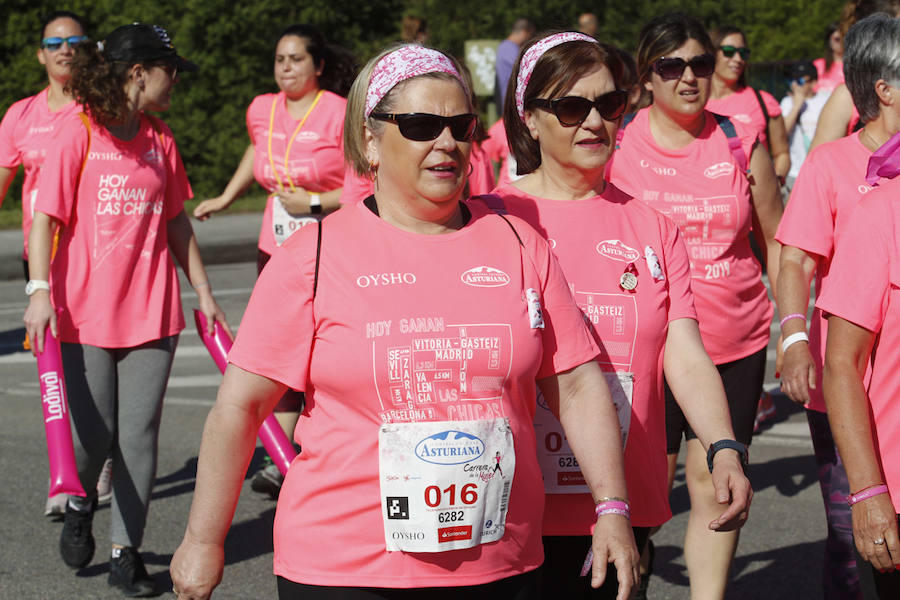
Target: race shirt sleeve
x=9 y=154
x=59 y=178
x=772 y=106
x=277 y=330
x=808 y=221
x=678 y=273
x=178 y=188
x=859 y=278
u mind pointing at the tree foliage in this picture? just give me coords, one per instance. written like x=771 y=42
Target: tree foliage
x=233 y=42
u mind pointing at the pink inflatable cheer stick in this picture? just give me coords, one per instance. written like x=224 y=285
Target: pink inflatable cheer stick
x=60 y=453
x=271 y=435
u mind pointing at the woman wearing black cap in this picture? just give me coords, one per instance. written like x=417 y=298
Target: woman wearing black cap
x=115 y=186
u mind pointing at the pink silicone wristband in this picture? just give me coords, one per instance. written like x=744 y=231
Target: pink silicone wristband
x=792 y=316
x=611 y=505
x=867 y=493
x=614 y=511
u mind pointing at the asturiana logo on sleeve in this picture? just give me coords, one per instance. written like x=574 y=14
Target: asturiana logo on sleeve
x=450 y=447
x=617 y=250
x=485 y=277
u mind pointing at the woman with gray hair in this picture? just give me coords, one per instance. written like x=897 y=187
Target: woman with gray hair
x=830 y=185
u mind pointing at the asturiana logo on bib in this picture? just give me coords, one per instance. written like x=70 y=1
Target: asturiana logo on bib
x=616 y=250
x=485 y=277
x=450 y=447
x=719 y=170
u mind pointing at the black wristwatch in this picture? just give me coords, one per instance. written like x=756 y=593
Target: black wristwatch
x=740 y=448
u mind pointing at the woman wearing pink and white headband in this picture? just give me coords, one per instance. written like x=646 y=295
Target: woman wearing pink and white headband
x=629 y=271
x=418 y=328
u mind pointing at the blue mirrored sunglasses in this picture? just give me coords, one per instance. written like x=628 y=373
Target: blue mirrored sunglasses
x=55 y=43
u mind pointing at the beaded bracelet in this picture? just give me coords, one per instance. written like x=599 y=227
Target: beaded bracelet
x=866 y=493
x=793 y=316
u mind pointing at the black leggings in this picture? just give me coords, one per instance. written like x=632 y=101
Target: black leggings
x=563 y=559
x=526 y=586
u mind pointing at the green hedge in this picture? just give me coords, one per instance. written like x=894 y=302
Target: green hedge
x=233 y=42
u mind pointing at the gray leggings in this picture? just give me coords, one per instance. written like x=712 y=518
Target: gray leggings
x=115 y=401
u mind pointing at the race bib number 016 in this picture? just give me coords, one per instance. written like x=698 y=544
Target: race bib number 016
x=445 y=485
x=560 y=468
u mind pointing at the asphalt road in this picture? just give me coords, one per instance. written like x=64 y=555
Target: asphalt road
x=779 y=556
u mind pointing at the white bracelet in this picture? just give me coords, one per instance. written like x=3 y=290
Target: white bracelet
x=314 y=200
x=792 y=339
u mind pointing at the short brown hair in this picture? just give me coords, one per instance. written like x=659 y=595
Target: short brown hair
x=665 y=34
x=556 y=72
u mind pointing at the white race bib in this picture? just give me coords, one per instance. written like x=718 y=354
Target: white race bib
x=284 y=224
x=445 y=484
x=562 y=474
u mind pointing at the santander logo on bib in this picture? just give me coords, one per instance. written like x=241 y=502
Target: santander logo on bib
x=719 y=170
x=450 y=447
x=485 y=277
x=616 y=250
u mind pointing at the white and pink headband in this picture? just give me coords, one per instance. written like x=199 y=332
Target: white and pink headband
x=405 y=63
x=534 y=54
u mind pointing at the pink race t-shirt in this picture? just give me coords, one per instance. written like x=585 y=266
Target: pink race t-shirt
x=113 y=276
x=26 y=133
x=830 y=78
x=831 y=183
x=597 y=240
x=316 y=158
x=405 y=328
x=701 y=188
x=356 y=188
x=496 y=147
x=864 y=288
x=743 y=107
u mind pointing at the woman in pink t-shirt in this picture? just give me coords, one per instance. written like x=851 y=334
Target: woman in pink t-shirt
x=829 y=187
x=628 y=269
x=419 y=329
x=830 y=67
x=693 y=167
x=731 y=96
x=114 y=185
x=296 y=155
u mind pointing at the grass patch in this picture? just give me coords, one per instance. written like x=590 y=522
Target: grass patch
x=11 y=215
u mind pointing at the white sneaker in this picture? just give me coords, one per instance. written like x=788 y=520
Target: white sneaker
x=104 y=483
x=56 y=505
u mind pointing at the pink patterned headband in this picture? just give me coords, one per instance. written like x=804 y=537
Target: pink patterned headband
x=534 y=54
x=405 y=63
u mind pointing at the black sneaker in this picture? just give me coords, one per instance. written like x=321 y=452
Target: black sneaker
x=76 y=542
x=127 y=573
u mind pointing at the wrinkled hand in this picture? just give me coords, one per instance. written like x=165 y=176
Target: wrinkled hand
x=38 y=315
x=613 y=542
x=211 y=310
x=732 y=488
x=798 y=373
x=196 y=569
x=296 y=202
x=207 y=208
x=876 y=519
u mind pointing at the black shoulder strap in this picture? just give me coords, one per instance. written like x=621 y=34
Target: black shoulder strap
x=318 y=255
x=762 y=105
x=516 y=233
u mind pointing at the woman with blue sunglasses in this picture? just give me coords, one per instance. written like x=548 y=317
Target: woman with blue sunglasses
x=28 y=127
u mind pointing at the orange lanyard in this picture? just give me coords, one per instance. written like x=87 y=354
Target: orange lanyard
x=287 y=151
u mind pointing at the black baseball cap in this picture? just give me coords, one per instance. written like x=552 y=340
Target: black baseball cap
x=140 y=42
x=803 y=68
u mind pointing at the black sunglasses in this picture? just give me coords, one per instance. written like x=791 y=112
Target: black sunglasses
x=55 y=43
x=424 y=127
x=701 y=65
x=573 y=110
x=729 y=51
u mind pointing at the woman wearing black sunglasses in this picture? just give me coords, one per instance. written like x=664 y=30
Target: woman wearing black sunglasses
x=731 y=96
x=693 y=167
x=418 y=328
x=628 y=269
